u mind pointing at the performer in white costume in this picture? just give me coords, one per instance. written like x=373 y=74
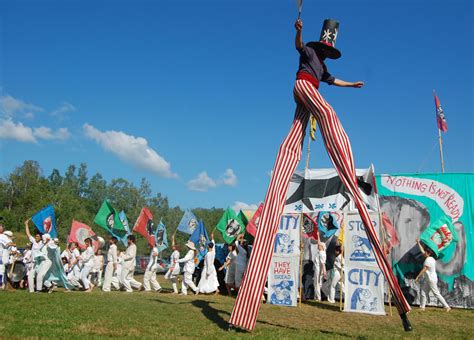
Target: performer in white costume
x=42 y=262
x=336 y=274
x=230 y=265
x=128 y=268
x=209 y=283
x=112 y=260
x=189 y=267
x=87 y=258
x=149 y=279
x=173 y=271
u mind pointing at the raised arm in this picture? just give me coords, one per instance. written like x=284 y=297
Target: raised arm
x=27 y=229
x=343 y=83
x=299 y=39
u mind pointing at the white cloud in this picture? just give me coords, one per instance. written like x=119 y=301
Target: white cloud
x=22 y=133
x=47 y=133
x=61 y=111
x=229 y=178
x=243 y=206
x=10 y=107
x=16 y=131
x=130 y=149
x=202 y=183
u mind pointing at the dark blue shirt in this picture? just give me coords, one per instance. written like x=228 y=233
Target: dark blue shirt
x=311 y=64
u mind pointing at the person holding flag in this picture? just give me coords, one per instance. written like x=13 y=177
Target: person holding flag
x=128 y=267
x=43 y=263
x=189 y=266
x=241 y=260
x=36 y=244
x=150 y=272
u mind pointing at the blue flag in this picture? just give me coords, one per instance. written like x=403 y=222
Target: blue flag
x=188 y=223
x=161 y=239
x=45 y=222
x=121 y=237
x=200 y=240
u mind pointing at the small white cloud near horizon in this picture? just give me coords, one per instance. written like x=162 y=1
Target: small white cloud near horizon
x=243 y=206
x=203 y=182
x=10 y=107
x=22 y=133
x=130 y=149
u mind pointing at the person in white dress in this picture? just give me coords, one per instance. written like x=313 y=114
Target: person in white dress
x=149 y=278
x=430 y=280
x=229 y=265
x=189 y=266
x=128 y=267
x=87 y=258
x=208 y=283
x=336 y=274
x=319 y=261
x=42 y=262
x=111 y=267
x=118 y=271
x=174 y=269
x=36 y=244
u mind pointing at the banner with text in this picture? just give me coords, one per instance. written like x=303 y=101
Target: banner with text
x=364 y=281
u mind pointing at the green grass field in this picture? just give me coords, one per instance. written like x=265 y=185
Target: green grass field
x=149 y=315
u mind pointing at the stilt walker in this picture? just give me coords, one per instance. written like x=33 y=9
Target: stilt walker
x=311 y=72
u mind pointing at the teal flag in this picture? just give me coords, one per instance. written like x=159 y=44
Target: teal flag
x=439 y=235
x=230 y=225
x=161 y=238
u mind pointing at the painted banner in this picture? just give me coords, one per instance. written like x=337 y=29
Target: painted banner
x=80 y=232
x=45 y=222
x=188 y=223
x=322 y=190
x=145 y=226
x=283 y=277
x=363 y=280
x=415 y=203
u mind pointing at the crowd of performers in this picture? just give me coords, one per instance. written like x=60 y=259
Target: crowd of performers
x=46 y=267
x=90 y=268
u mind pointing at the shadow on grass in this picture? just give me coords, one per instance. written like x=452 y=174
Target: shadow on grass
x=321 y=305
x=214 y=315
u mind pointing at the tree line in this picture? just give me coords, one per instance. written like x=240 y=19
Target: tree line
x=77 y=196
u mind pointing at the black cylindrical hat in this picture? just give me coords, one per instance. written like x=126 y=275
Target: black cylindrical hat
x=327 y=40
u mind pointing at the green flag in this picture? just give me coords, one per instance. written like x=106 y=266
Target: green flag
x=230 y=225
x=243 y=218
x=108 y=218
x=439 y=235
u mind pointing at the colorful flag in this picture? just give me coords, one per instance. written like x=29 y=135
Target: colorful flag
x=310 y=227
x=145 y=226
x=161 y=239
x=390 y=232
x=252 y=226
x=188 y=223
x=79 y=232
x=442 y=124
x=328 y=223
x=108 y=218
x=230 y=225
x=200 y=238
x=439 y=235
x=45 y=222
x=312 y=127
x=241 y=215
x=122 y=236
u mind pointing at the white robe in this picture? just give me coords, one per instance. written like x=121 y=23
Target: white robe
x=208 y=283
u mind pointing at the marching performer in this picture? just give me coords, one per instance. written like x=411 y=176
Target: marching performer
x=189 y=267
x=112 y=259
x=430 y=280
x=150 y=272
x=36 y=244
x=241 y=260
x=336 y=274
x=128 y=268
x=173 y=271
x=230 y=265
x=208 y=282
x=43 y=263
x=87 y=258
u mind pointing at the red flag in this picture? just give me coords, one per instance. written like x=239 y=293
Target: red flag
x=145 y=226
x=392 y=238
x=442 y=124
x=252 y=226
x=310 y=227
x=79 y=232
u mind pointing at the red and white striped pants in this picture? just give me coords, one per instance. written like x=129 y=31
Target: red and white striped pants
x=309 y=101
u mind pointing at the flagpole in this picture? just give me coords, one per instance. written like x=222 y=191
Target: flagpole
x=440 y=139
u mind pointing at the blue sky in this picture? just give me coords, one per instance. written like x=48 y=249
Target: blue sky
x=196 y=96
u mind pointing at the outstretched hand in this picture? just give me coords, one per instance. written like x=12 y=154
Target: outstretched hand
x=358 y=84
x=299 y=25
